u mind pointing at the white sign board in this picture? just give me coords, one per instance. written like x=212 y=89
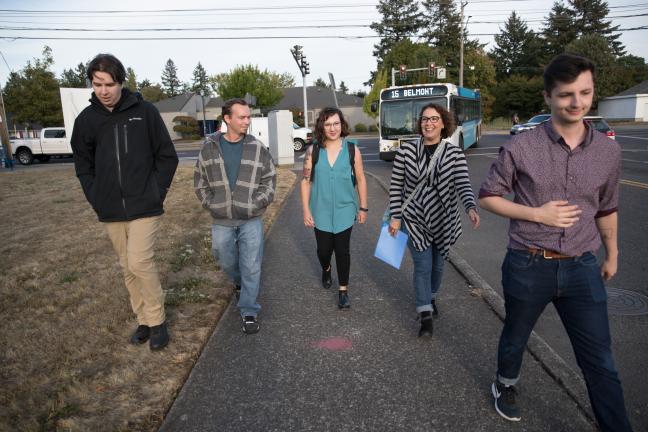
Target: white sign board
x=73 y=101
x=441 y=73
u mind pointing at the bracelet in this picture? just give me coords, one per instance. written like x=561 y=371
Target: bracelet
x=363 y=209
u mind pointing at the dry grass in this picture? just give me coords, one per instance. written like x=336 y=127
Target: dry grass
x=65 y=318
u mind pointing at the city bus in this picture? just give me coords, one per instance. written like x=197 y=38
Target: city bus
x=400 y=107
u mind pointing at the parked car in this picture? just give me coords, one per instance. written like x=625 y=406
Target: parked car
x=531 y=124
x=301 y=137
x=601 y=125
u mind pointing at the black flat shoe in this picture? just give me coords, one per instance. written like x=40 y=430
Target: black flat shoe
x=427 y=324
x=159 y=337
x=141 y=335
x=343 y=300
x=326 y=278
x=435 y=310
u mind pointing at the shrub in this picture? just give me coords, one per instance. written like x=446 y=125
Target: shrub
x=360 y=127
x=373 y=128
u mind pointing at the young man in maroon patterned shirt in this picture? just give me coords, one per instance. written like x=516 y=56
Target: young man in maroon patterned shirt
x=564 y=176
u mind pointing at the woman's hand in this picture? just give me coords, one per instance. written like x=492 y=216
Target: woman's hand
x=394 y=226
x=308 y=219
x=474 y=218
x=362 y=216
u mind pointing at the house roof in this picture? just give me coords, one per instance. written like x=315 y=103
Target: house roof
x=318 y=97
x=641 y=88
x=173 y=104
x=215 y=102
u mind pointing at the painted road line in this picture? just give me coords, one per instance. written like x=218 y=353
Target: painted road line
x=634 y=183
x=481 y=154
x=633 y=137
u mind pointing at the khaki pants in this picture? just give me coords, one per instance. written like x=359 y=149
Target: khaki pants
x=133 y=241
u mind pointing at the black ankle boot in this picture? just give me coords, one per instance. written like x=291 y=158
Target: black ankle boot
x=159 y=337
x=343 y=299
x=427 y=325
x=326 y=278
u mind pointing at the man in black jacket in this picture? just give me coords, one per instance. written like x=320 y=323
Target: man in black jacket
x=125 y=161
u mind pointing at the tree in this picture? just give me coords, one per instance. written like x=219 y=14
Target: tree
x=413 y=55
x=343 y=88
x=319 y=82
x=558 y=31
x=401 y=19
x=518 y=94
x=284 y=80
x=248 y=79
x=380 y=83
x=589 y=19
x=597 y=49
x=131 y=80
x=74 y=78
x=170 y=82
x=516 y=49
x=152 y=93
x=630 y=70
x=200 y=81
x=32 y=95
x=144 y=83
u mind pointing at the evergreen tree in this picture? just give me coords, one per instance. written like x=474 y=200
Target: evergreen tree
x=596 y=48
x=401 y=19
x=32 y=95
x=518 y=94
x=517 y=49
x=590 y=19
x=319 y=82
x=170 y=82
x=74 y=78
x=558 y=31
x=131 y=80
x=200 y=81
x=343 y=88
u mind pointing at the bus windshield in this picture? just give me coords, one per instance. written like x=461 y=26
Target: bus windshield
x=400 y=117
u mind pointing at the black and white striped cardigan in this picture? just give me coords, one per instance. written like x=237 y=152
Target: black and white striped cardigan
x=433 y=213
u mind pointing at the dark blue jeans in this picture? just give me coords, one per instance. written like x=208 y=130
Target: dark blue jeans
x=577 y=291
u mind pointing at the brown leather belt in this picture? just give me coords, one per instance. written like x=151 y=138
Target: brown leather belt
x=547 y=254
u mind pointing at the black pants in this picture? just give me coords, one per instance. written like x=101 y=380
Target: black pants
x=328 y=242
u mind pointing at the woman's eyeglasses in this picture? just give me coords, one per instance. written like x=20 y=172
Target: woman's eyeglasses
x=433 y=119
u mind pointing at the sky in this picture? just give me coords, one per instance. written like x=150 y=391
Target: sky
x=335 y=36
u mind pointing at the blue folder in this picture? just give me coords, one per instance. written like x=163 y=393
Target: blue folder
x=391 y=249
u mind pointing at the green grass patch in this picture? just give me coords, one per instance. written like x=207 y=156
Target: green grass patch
x=69 y=277
x=186 y=291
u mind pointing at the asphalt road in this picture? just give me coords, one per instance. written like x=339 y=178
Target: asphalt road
x=484 y=250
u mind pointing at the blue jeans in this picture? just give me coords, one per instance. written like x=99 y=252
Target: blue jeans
x=576 y=289
x=428 y=273
x=239 y=251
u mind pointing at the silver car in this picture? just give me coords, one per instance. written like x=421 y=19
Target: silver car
x=531 y=124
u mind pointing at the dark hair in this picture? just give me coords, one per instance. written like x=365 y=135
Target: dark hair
x=227 y=108
x=324 y=115
x=449 y=125
x=109 y=64
x=566 y=68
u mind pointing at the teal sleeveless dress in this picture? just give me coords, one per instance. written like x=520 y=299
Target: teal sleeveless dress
x=333 y=199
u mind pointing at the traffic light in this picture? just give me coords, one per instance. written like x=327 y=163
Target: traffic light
x=403 y=71
x=432 y=69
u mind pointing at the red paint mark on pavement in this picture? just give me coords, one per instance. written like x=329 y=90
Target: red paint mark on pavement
x=334 y=344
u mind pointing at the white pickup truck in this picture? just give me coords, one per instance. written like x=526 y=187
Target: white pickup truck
x=54 y=141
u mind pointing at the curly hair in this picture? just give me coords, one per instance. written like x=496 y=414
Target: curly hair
x=324 y=115
x=449 y=125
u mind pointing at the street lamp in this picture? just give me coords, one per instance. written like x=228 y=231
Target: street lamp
x=304 y=68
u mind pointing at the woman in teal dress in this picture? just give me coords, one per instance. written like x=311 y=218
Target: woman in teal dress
x=334 y=196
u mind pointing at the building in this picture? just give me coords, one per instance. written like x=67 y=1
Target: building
x=319 y=98
x=184 y=105
x=629 y=105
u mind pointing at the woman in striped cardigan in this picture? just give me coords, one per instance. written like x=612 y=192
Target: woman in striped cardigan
x=433 y=171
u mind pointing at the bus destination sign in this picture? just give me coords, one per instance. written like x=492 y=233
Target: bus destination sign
x=414 y=92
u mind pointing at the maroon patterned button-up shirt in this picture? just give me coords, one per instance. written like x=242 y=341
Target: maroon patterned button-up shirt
x=538 y=166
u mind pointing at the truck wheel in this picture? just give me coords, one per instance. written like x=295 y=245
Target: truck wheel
x=298 y=144
x=43 y=158
x=24 y=156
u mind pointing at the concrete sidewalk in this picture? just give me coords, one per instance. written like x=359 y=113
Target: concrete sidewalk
x=315 y=368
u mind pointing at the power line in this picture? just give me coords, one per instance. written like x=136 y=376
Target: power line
x=190 y=10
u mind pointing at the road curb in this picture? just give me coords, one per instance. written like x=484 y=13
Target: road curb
x=556 y=367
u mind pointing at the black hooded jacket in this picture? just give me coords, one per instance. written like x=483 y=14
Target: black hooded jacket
x=124 y=158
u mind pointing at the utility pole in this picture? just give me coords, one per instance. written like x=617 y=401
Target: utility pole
x=304 y=68
x=461 y=43
x=4 y=134
x=202 y=99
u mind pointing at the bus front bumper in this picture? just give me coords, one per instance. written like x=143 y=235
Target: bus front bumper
x=388 y=155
